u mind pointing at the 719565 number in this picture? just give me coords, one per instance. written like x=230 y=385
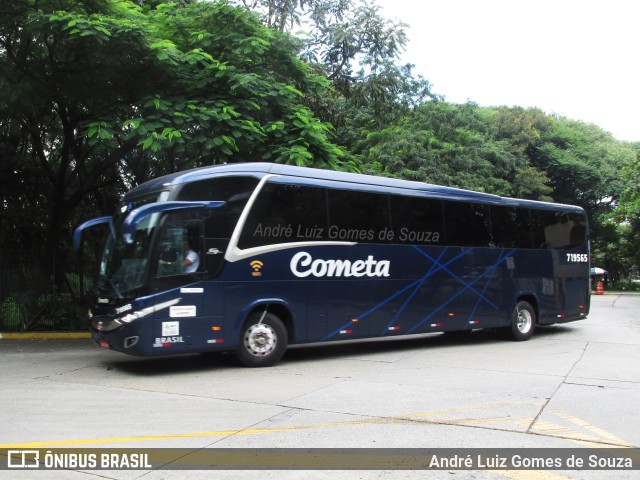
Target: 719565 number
x=577 y=257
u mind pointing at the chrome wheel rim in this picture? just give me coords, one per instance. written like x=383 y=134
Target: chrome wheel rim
x=260 y=339
x=524 y=321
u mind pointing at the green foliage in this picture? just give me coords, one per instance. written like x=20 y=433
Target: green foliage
x=627 y=215
x=50 y=311
x=56 y=313
x=629 y=209
x=626 y=285
x=615 y=248
x=521 y=127
x=230 y=82
x=12 y=314
x=582 y=162
x=450 y=145
x=98 y=96
x=78 y=287
x=355 y=49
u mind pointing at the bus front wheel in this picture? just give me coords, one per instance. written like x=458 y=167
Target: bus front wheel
x=523 y=322
x=264 y=340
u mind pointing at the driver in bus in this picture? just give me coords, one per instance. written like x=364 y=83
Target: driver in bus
x=191 y=260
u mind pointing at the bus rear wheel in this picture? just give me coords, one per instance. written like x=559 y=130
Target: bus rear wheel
x=523 y=322
x=263 y=341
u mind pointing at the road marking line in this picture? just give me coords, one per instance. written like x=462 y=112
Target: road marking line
x=221 y=433
x=589 y=435
x=597 y=431
x=597 y=437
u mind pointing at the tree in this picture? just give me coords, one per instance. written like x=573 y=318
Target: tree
x=101 y=94
x=450 y=145
x=629 y=206
x=581 y=161
x=286 y=15
x=357 y=50
x=522 y=127
x=626 y=217
x=56 y=77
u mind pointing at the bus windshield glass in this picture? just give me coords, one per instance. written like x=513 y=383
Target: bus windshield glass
x=123 y=266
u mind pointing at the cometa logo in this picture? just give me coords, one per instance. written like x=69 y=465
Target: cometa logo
x=304 y=265
x=256 y=265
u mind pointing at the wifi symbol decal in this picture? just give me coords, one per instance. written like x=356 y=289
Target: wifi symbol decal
x=256 y=265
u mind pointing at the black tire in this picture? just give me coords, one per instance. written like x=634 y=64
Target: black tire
x=262 y=343
x=523 y=322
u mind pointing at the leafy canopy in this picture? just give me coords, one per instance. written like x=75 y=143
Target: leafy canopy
x=99 y=95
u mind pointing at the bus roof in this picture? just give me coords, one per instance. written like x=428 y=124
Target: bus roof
x=350 y=180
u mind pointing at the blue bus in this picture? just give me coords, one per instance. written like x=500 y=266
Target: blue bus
x=253 y=257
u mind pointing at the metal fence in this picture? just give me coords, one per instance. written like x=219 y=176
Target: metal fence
x=37 y=294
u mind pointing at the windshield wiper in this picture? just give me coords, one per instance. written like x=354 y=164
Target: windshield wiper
x=102 y=289
x=115 y=288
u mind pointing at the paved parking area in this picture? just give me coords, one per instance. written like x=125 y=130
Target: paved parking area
x=573 y=385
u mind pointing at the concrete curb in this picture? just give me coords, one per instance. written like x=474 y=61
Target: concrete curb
x=614 y=292
x=44 y=335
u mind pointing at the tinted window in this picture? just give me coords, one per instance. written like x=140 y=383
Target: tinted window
x=557 y=230
x=228 y=189
x=358 y=216
x=294 y=213
x=235 y=191
x=416 y=220
x=286 y=213
x=467 y=224
x=510 y=227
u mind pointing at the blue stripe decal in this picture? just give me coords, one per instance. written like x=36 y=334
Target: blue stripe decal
x=417 y=284
x=469 y=286
x=453 y=275
x=431 y=271
x=414 y=287
x=492 y=271
x=350 y=324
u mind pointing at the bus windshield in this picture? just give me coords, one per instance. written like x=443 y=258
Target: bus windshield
x=123 y=266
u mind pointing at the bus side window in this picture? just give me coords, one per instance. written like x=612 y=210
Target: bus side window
x=417 y=220
x=358 y=216
x=510 y=227
x=561 y=230
x=467 y=224
x=578 y=233
x=286 y=213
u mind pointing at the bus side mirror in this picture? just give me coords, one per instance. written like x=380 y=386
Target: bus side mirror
x=77 y=234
